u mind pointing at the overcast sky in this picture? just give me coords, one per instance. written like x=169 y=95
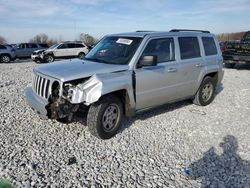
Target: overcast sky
x=20 y=20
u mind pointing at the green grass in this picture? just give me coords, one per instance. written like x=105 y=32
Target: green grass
x=5 y=184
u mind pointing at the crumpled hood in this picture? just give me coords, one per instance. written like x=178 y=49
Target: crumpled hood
x=68 y=70
x=39 y=51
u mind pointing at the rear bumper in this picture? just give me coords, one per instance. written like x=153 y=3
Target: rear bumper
x=37 y=103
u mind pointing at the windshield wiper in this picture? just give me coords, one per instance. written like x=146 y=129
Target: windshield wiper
x=98 y=60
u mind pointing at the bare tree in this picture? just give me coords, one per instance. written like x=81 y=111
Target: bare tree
x=40 y=38
x=2 y=40
x=43 y=38
x=87 y=39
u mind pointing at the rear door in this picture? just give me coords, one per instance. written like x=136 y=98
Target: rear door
x=21 y=50
x=212 y=59
x=158 y=84
x=81 y=48
x=192 y=65
x=72 y=52
x=30 y=49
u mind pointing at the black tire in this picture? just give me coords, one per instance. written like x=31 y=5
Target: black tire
x=201 y=98
x=229 y=65
x=63 y=120
x=5 y=58
x=49 y=58
x=81 y=55
x=98 y=113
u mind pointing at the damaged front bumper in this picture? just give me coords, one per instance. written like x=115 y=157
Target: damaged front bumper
x=37 y=103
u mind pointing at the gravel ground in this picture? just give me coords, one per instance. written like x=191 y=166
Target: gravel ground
x=179 y=145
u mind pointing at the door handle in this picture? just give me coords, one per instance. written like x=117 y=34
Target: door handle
x=172 y=70
x=199 y=65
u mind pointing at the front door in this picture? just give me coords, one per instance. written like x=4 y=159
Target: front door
x=62 y=50
x=158 y=84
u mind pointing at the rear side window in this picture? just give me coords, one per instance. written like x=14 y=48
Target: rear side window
x=32 y=45
x=80 y=46
x=209 y=46
x=71 y=45
x=189 y=47
x=44 y=45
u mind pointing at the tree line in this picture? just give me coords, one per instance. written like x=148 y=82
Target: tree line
x=90 y=40
x=230 y=36
x=44 y=38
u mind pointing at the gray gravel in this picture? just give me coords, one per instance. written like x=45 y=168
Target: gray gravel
x=179 y=145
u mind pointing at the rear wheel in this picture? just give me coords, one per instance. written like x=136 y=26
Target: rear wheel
x=5 y=58
x=104 y=117
x=205 y=94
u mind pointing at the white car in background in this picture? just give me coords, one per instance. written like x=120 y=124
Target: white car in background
x=64 y=50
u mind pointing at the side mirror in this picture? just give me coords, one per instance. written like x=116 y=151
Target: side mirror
x=148 y=60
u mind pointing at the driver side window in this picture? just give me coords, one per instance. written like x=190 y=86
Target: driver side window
x=162 y=48
x=62 y=46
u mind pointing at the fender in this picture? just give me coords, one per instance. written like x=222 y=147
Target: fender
x=101 y=84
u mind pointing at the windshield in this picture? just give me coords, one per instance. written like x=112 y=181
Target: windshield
x=114 y=50
x=53 y=46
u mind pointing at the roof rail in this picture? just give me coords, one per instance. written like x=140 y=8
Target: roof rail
x=189 y=30
x=144 y=31
x=68 y=41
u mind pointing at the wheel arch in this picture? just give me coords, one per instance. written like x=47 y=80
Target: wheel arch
x=213 y=75
x=97 y=86
x=123 y=95
x=5 y=54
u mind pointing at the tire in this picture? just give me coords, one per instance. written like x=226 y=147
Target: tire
x=49 y=58
x=5 y=58
x=104 y=117
x=81 y=55
x=229 y=65
x=205 y=94
x=63 y=120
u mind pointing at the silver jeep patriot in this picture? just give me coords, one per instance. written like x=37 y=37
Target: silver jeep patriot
x=128 y=73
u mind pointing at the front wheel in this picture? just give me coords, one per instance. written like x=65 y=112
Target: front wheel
x=81 y=55
x=205 y=94
x=49 y=58
x=104 y=117
x=5 y=58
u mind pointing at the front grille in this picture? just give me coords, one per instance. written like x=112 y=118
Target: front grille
x=41 y=86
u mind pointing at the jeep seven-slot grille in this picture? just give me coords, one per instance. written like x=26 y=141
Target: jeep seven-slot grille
x=41 y=86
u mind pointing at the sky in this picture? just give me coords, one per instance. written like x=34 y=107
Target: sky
x=20 y=20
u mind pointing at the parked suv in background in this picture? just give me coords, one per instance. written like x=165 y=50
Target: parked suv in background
x=128 y=73
x=24 y=50
x=7 y=53
x=65 y=50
